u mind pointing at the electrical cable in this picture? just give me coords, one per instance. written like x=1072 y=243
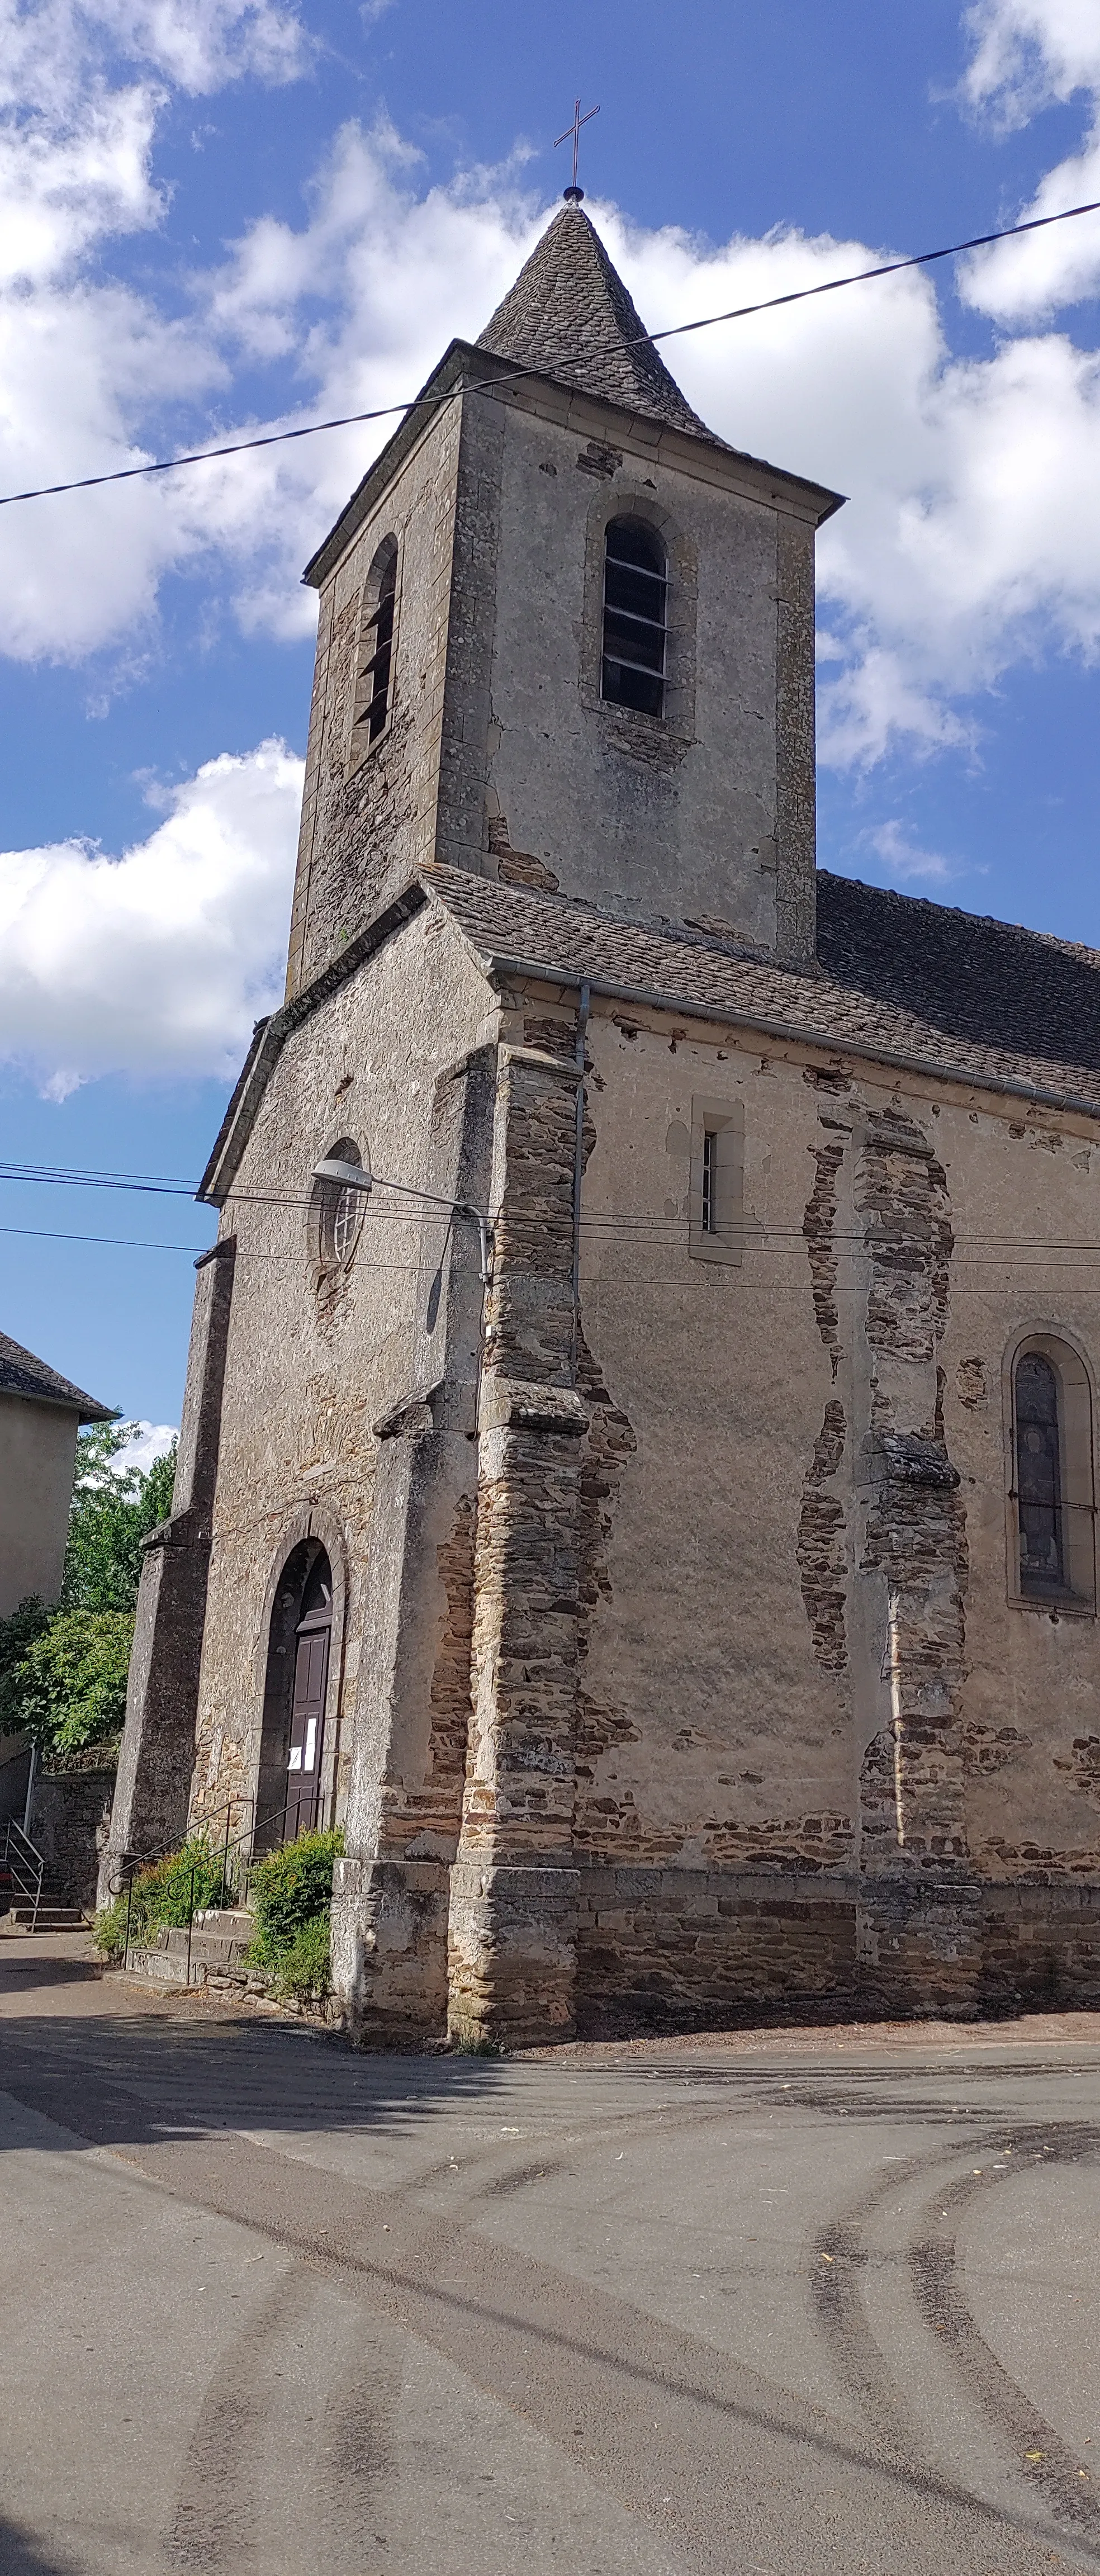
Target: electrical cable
x=659 y=1231
x=643 y=339
x=610 y=1224
x=593 y=1282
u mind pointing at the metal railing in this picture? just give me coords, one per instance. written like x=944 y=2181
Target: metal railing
x=25 y=1867
x=236 y=1868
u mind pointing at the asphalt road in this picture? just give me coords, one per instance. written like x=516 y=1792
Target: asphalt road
x=798 y=2304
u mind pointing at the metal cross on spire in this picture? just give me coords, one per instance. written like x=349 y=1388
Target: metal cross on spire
x=574 y=194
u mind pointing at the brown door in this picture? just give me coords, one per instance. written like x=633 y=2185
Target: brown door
x=306 y=1729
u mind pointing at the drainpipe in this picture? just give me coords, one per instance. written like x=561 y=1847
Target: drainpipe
x=578 y=1167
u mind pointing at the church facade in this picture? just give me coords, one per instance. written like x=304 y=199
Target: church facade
x=643 y=1489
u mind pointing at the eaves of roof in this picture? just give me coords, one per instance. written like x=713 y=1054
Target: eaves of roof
x=465 y=367
x=269 y=1038
x=968 y=1018
x=34 y=1382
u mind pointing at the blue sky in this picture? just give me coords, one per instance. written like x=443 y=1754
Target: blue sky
x=224 y=211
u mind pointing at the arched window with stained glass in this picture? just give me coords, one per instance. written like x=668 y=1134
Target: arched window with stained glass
x=1052 y=1525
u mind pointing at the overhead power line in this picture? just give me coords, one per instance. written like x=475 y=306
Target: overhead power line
x=643 y=1228
x=643 y=339
x=591 y=1281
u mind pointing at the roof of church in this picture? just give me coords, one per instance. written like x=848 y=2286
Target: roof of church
x=22 y=1374
x=896 y=978
x=569 y=316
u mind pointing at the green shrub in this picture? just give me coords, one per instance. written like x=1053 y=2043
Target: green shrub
x=162 y=1893
x=109 y=1929
x=305 y=1968
x=291 y=1897
x=290 y=1889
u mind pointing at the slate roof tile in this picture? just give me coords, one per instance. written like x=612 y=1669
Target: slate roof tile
x=569 y=316
x=974 y=998
x=22 y=1374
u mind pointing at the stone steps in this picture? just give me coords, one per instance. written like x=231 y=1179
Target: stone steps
x=51 y=1917
x=218 y=1944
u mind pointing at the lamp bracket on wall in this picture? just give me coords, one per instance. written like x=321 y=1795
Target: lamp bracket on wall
x=356 y=1176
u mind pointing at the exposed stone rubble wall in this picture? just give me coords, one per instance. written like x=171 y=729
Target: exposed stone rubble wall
x=70 y=1817
x=513 y=1890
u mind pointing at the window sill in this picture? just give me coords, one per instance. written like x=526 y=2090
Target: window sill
x=729 y=1256
x=654 y=739
x=1066 y=1605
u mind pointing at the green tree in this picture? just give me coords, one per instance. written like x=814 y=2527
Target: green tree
x=17 y=1636
x=113 y=1509
x=72 y=1680
x=63 y=1671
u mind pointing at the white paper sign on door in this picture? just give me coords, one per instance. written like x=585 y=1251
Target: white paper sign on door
x=311 y=1741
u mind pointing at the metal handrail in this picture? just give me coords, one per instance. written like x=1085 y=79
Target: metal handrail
x=26 y=1859
x=147 y=1860
x=133 y=1863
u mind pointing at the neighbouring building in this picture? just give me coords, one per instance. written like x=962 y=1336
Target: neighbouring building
x=696 y=1613
x=40 y=1415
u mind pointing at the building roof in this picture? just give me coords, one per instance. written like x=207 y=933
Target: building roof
x=569 y=316
x=569 y=320
x=22 y=1374
x=896 y=980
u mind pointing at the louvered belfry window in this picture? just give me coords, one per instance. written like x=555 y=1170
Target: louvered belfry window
x=375 y=677
x=635 y=592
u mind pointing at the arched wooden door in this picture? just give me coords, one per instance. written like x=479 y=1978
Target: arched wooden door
x=288 y=1788
x=307 y=1713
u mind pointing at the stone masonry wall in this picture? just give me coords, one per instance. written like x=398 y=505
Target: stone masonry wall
x=819 y=1594
x=367 y=827
x=513 y=1888
x=310 y=1374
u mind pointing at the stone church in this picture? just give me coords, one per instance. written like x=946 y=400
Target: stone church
x=638 y=1466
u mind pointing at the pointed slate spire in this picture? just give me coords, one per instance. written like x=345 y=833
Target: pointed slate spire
x=569 y=316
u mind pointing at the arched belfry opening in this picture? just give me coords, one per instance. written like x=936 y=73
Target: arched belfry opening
x=290 y=1793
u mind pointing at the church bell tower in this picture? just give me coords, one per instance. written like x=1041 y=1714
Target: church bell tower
x=565 y=641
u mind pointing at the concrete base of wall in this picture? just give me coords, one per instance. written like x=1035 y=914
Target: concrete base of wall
x=389 y=1948
x=520 y=1956
x=512 y=1954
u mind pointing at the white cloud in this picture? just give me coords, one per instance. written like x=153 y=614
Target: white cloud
x=159 y=961
x=1031 y=54
x=1028 y=53
x=972 y=532
x=54 y=52
x=148 y=1442
x=86 y=362
x=906 y=863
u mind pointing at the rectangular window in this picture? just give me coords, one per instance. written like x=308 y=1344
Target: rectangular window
x=710 y=1179
x=717 y=1207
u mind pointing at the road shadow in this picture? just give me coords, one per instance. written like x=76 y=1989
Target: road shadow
x=27 y=1975
x=22 y=2555
x=130 y=2078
